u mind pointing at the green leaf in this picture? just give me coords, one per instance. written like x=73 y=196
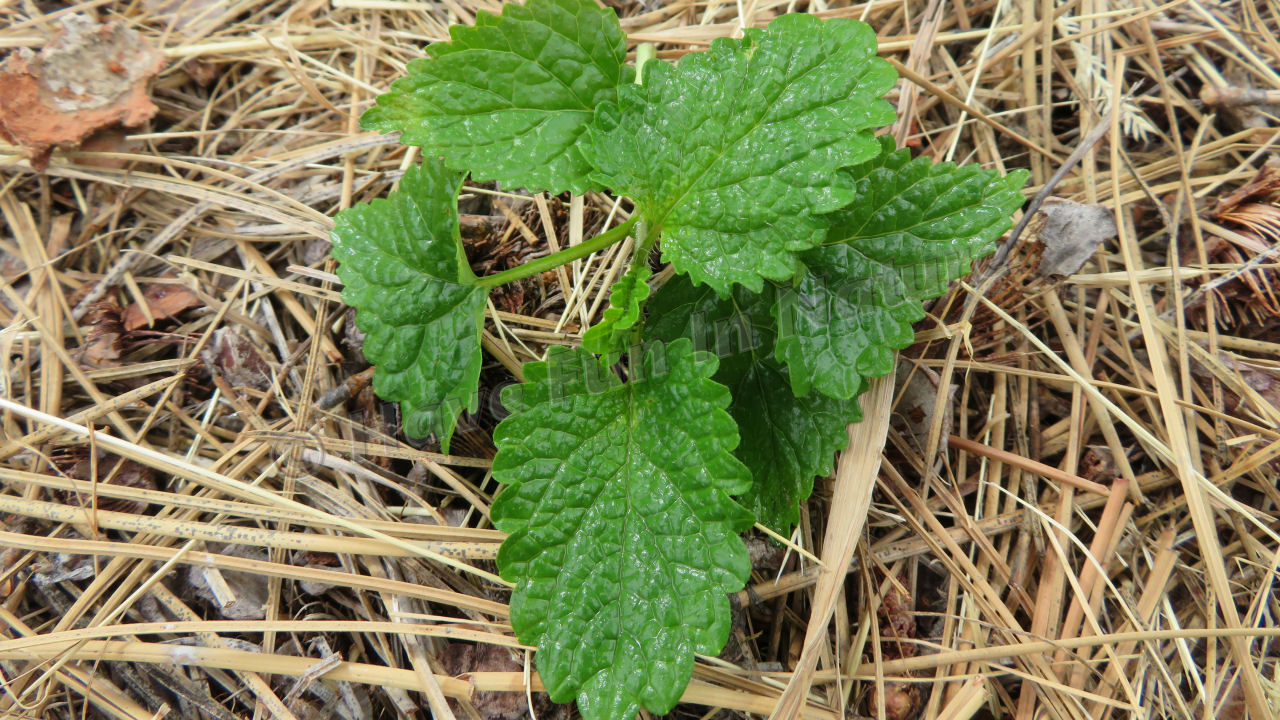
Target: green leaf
x=786 y=440
x=733 y=152
x=913 y=228
x=509 y=97
x=626 y=300
x=404 y=270
x=623 y=536
x=928 y=221
x=842 y=322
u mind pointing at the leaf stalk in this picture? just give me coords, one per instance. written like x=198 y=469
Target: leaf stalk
x=555 y=260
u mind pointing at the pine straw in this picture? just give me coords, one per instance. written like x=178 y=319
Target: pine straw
x=1097 y=540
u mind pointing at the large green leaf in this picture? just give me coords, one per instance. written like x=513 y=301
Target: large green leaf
x=509 y=98
x=912 y=229
x=786 y=440
x=929 y=222
x=622 y=531
x=733 y=152
x=403 y=269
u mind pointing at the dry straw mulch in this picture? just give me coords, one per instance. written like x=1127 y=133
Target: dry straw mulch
x=207 y=513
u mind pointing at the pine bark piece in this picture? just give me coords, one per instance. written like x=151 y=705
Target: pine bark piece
x=89 y=77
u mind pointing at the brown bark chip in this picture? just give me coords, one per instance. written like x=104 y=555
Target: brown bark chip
x=90 y=76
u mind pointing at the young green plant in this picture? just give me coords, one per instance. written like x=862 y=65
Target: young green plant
x=803 y=248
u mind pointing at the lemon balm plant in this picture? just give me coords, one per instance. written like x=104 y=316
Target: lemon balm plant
x=802 y=246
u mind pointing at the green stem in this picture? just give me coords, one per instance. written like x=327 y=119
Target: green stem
x=646 y=238
x=540 y=265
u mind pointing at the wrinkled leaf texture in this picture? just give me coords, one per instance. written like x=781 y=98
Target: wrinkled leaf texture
x=623 y=535
x=733 y=152
x=401 y=263
x=786 y=440
x=920 y=225
x=508 y=98
x=913 y=228
x=626 y=300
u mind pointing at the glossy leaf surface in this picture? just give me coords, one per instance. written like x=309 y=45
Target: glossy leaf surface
x=912 y=229
x=930 y=222
x=623 y=535
x=403 y=269
x=509 y=98
x=733 y=152
x=786 y=440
